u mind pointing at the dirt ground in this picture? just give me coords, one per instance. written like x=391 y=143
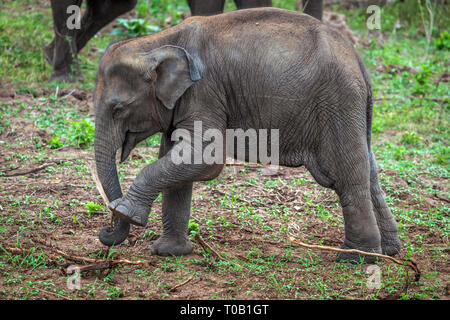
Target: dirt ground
x=246 y=215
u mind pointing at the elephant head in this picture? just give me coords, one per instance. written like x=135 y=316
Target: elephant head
x=134 y=98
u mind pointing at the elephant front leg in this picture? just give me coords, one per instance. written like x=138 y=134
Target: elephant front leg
x=136 y=205
x=175 y=182
x=176 y=209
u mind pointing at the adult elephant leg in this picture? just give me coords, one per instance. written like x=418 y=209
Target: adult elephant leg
x=313 y=8
x=390 y=243
x=246 y=4
x=97 y=15
x=176 y=209
x=61 y=52
x=206 y=8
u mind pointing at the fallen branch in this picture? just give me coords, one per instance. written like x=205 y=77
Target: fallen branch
x=92 y=264
x=51 y=293
x=102 y=264
x=206 y=246
x=407 y=263
x=15 y=250
x=441 y=198
x=181 y=284
x=23 y=173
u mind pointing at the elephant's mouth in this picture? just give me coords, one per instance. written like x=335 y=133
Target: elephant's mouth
x=132 y=138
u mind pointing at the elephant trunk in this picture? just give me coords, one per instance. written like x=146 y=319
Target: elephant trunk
x=105 y=159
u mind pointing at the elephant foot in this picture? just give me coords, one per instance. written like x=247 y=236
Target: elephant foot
x=166 y=246
x=356 y=257
x=390 y=243
x=66 y=77
x=134 y=214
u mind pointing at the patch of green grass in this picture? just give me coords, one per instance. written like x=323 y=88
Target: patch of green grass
x=24 y=32
x=81 y=133
x=93 y=208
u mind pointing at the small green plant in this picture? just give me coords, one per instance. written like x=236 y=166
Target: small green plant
x=81 y=133
x=55 y=143
x=410 y=138
x=422 y=78
x=23 y=89
x=92 y=207
x=167 y=12
x=153 y=141
x=142 y=8
x=443 y=41
x=48 y=212
x=193 y=227
x=134 y=27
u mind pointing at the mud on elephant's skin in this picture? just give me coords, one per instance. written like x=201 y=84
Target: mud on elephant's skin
x=215 y=70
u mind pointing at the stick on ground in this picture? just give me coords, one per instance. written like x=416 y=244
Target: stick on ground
x=90 y=264
x=24 y=173
x=407 y=263
x=181 y=284
x=205 y=246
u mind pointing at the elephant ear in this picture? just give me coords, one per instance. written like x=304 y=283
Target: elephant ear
x=176 y=70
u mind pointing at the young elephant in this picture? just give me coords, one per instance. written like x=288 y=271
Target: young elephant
x=257 y=68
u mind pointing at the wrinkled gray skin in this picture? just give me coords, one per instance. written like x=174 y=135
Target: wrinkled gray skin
x=235 y=71
x=62 y=54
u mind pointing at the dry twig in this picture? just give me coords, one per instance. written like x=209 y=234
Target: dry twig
x=52 y=293
x=407 y=263
x=92 y=264
x=23 y=173
x=205 y=246
x=181 y=284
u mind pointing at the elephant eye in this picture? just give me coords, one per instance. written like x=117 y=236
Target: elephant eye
x=117 y=109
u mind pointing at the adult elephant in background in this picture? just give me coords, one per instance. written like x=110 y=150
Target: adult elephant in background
x=313 y=8
x=62 y=53
x=205 y=8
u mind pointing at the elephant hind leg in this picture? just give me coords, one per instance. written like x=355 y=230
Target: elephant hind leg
x=387 y=225
x=345 y=168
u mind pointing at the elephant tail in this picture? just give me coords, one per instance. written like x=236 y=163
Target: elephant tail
x=369 y=114
x=369 y=102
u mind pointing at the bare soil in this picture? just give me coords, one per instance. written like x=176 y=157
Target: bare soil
x=271 y=267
